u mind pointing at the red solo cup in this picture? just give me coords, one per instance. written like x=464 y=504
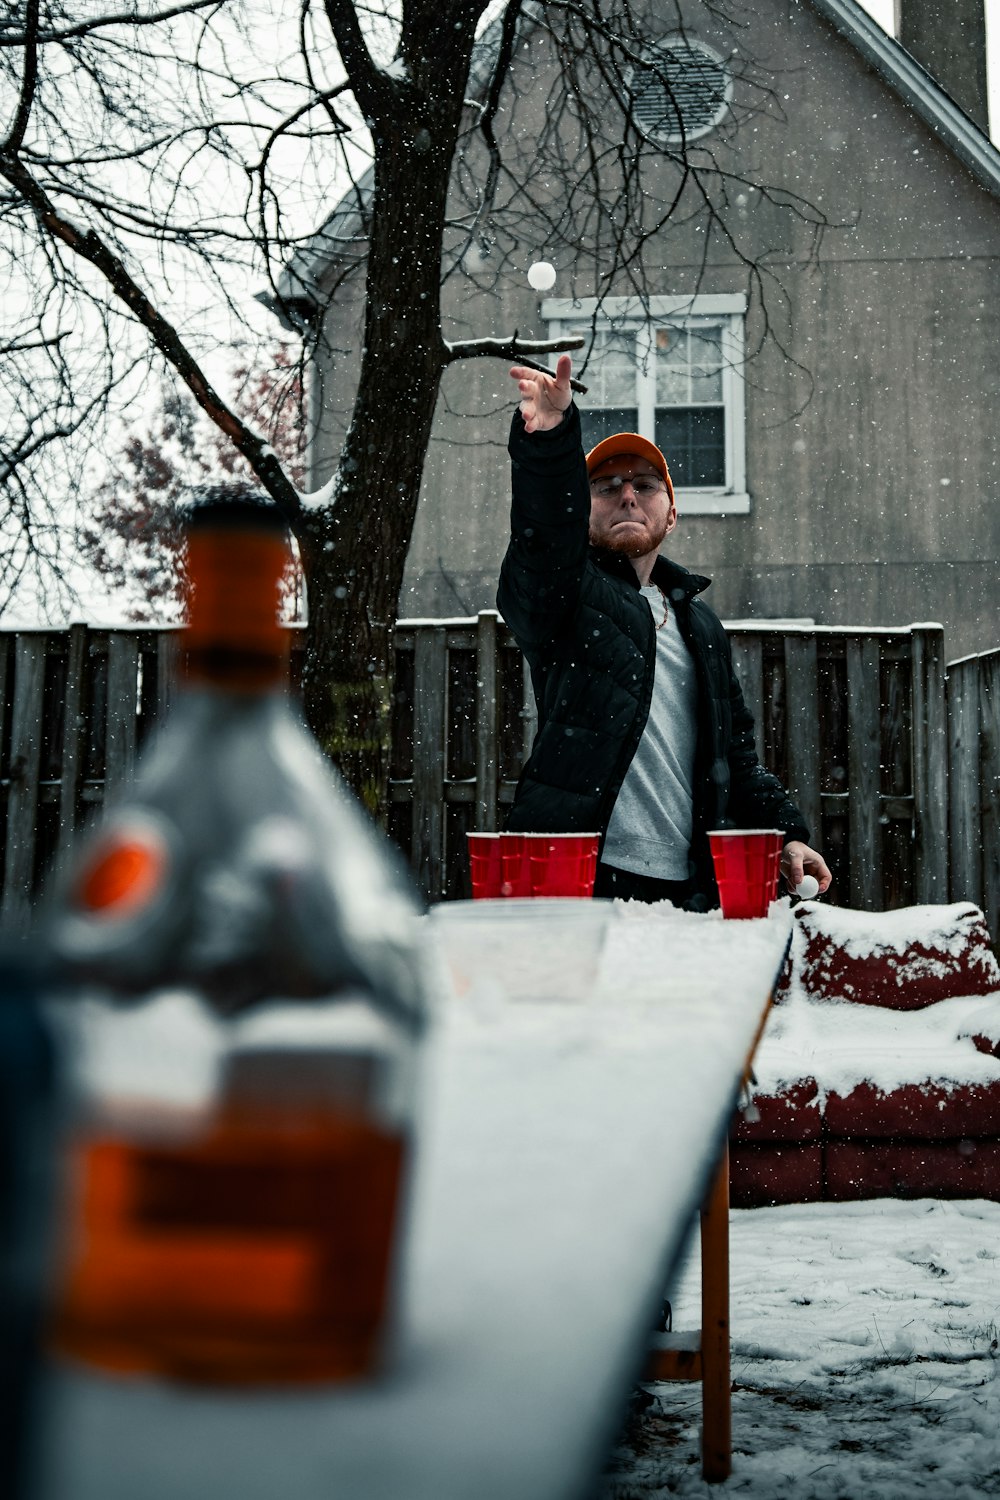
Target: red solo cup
x=747 y=864
x=515 y=863
x=484 y=865
x=564 y=864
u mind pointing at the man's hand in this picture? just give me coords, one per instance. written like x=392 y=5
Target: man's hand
x=798 y=859
x=544 y=400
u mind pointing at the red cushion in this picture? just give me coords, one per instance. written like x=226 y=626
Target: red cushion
x=792 y=1115
x=760 y=1176
x=884 y=1169
x=904 y=960
x=922 y=1111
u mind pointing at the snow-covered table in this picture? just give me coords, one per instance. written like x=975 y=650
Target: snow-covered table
x=567 y=1146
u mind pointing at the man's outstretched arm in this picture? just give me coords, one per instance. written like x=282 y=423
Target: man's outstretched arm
x=550 y=509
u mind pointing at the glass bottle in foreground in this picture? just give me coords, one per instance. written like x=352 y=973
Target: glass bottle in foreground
x=244 y=990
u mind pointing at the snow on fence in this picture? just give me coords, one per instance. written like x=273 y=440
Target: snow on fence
x=855 y=721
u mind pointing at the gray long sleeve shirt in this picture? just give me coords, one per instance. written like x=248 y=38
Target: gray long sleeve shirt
x=650 y=828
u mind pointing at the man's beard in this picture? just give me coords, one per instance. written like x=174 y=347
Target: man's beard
x=630 y=545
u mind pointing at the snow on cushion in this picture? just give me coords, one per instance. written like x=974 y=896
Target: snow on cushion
x=915 y=1111
x=983 y=1027
x=903 y=960
x=760 y=1176
x=889 y=1169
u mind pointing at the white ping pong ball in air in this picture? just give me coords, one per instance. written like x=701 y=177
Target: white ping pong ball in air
x=542 y=275
x=807 y=888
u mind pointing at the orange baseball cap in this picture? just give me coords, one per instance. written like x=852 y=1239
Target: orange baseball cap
x=630 y=442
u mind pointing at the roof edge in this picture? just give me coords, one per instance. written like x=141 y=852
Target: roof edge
x=917 y=88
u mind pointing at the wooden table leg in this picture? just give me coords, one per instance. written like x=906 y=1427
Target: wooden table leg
x=716 y=1398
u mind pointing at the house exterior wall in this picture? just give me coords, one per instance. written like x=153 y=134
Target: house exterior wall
x=871 y=447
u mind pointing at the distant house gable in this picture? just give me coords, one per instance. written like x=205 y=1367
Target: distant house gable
x=346 y=228
x=916 y=88
x=847 y=469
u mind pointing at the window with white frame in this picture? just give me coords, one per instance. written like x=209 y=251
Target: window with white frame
x=670 y=369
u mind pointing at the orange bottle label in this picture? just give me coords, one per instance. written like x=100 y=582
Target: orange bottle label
x=124 y=874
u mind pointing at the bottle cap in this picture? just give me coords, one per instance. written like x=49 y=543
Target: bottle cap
x=238 y=553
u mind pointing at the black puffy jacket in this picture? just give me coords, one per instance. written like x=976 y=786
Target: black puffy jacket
x=589 y=640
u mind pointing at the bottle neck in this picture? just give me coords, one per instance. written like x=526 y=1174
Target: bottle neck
x=234 y=671
x=234 y=640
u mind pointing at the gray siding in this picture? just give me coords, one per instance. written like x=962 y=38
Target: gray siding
x=872 y=448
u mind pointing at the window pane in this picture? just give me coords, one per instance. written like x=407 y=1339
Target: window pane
x=611 y=369
x=706 y=385
x=671 y=346
x=673 y=384
x=705 y=346
x=597 y=425
x=688 y=365
x=673 y=388
x=694 y=443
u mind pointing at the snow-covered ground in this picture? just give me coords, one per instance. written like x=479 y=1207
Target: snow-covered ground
x=864 y=1359
x=864 y=1335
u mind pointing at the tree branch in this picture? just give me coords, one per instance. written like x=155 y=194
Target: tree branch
x=500 y=76
x=126 y=18
x=29 y=80
x=364 y=76
x=516 y=348
x=511 y=16
x=88 y=245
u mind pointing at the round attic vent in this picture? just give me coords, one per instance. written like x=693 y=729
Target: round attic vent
x=680 y=90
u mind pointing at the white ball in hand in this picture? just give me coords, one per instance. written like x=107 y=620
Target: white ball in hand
x=542 y=275
x=807 y=888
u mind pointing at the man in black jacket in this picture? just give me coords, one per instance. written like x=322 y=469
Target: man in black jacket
x=643 y=735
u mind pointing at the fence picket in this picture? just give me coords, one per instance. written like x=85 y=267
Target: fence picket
x=22 y=794
x=72 y=744
x=123 y=683
x=930 y=764
x=863 y=781
x=430 y=679
x=166 y=669
x=989 y=772
x=6 y=648
x=748 y=661
x=487 y=749
x=802 y=727
x=963 y=777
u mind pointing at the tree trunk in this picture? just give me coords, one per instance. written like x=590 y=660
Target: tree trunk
x=354 y=550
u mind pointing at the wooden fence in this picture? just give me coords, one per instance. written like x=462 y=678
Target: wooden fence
x=973 y=697
x=856 y=722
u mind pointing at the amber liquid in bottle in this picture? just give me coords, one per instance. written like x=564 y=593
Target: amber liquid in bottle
x=255 y=1252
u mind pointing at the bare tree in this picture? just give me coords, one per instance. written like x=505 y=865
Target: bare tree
x=151 y=141
x=131 y=529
